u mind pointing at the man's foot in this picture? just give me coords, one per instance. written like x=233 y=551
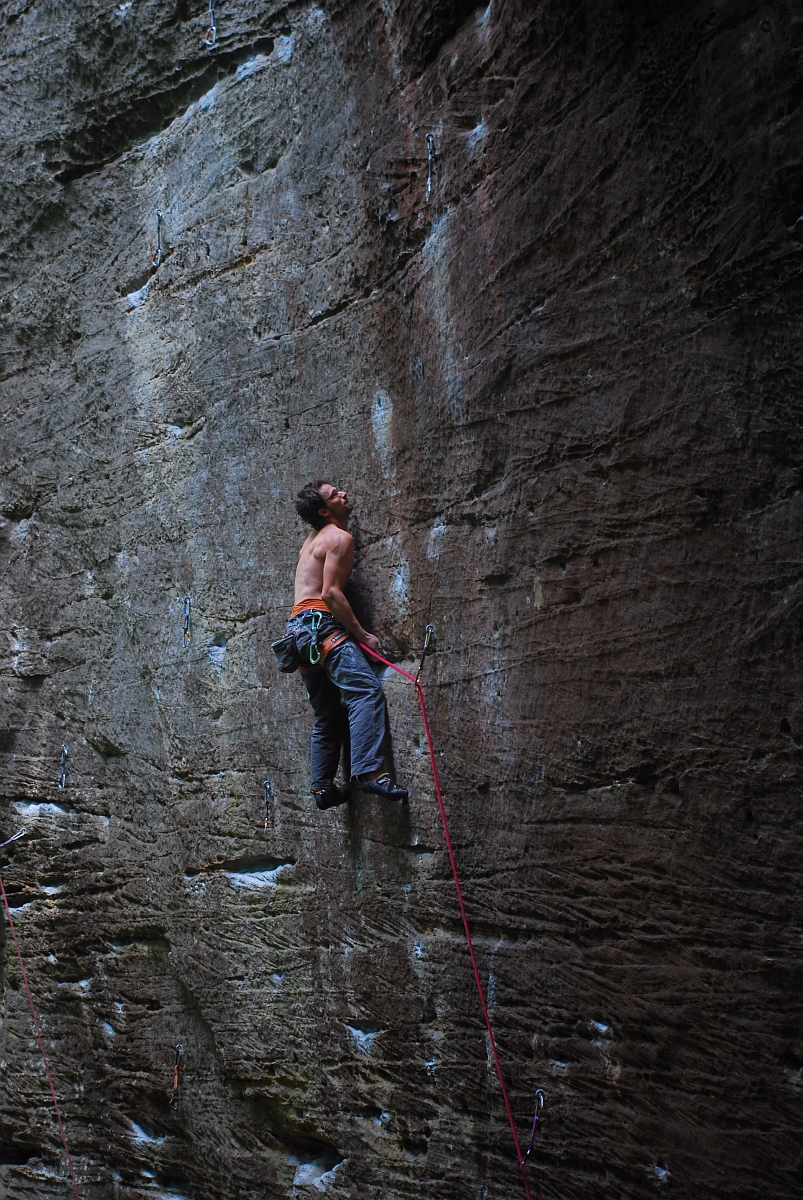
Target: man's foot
x=383 y=786
x=330 y=797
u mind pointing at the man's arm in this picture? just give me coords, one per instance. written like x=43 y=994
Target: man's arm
x=336 y=568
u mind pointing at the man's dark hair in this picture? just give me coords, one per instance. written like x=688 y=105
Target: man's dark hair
x=308 y=503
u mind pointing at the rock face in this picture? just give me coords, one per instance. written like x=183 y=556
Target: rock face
x=557 y=363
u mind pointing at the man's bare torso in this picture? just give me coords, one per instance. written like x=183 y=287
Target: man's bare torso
x=312 y=556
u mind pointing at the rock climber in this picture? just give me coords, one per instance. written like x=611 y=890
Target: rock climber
x=342 y=678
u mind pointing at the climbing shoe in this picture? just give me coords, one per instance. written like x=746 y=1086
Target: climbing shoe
x=330 y=797
x=384 y=786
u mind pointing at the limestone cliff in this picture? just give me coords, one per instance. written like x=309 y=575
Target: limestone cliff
x=555 y=355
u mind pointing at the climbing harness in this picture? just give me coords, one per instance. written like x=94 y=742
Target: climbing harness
x=492 y=1040
x=431 y=156
x=157 y=254
x=540 y=1099
x=187 y=607
x=268 y=794
x=210 y=37
x=37 y=1027
x=65 y=750
x=174 y=1097
x=302 y=649
x=429 y=633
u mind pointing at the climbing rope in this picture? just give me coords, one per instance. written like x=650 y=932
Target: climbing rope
x=35 y=1019
x=414 y=680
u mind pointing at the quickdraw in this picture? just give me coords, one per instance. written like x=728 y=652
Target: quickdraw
x=187 y=608
x=428 y=648
x=268 y=794
x=210 y=37
x=431 y=156
x=157 y=254
x=65 y=750
x=174 y=1097
x=540 y=1098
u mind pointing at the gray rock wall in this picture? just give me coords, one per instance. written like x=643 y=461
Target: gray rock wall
x=564 y=391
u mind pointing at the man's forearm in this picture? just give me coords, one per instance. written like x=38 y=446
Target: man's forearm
x=340 y=608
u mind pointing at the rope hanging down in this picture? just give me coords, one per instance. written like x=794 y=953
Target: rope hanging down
x=35 y=1019
x=521 y=1159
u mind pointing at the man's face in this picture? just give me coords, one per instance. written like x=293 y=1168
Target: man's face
x=337 y=502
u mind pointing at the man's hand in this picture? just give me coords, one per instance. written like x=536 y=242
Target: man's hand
x=372 y=642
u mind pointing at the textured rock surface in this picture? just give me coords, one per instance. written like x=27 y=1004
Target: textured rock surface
x=565 y=394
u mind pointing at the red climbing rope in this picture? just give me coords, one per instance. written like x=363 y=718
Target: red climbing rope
x=41 y=1042
x=412 y=678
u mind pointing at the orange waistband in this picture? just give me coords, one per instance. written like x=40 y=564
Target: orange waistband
x=306 y=605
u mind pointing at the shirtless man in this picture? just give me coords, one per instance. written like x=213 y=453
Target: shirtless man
x=343 y=683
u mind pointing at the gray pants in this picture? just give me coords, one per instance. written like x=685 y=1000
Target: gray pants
x=350 y=712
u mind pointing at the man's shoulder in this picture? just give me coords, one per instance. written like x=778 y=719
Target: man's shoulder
x=334 y=538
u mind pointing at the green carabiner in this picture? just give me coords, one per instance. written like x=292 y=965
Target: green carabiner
x=313 y=647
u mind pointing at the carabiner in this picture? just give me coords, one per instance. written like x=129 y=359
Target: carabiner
x=429 y=633
x=65 y=750
x=157 y=254
x=210 y=37
x=540 y=1098
x=20 y=833
x=431 y=156
x=313 y=646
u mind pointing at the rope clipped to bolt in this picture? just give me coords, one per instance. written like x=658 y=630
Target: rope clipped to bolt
x=415 y=679
x=20 y=833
